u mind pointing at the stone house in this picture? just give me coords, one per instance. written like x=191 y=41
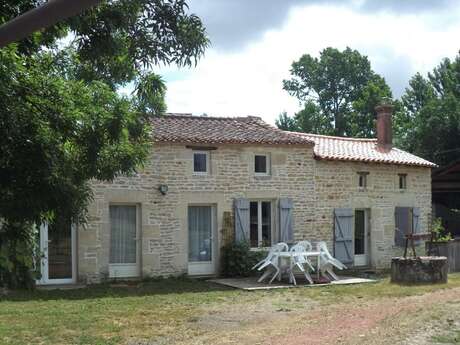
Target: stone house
x=212 y=180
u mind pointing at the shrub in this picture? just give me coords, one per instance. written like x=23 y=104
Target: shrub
x=441 y=235
x=18 y=244
x=238 y=259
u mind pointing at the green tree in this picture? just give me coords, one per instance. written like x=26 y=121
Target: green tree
x=286 y=123
x=339 y=91
x=428 y=123
x=62 y=123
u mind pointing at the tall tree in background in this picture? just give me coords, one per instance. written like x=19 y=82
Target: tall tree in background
x=428 y=123
x=62 y=123
x=339 y=91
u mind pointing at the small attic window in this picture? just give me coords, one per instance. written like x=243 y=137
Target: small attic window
x=201 y=162
x=402 y=181
x=262 y=164
x=362 y=179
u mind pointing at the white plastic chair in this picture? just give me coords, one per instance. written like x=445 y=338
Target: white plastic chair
x=271 y=261
x=299 y=261
x=306 y=244
x=327 y=261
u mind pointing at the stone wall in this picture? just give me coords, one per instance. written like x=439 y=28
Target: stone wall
x=316 y=187
x=336 y=186
x=163 y=217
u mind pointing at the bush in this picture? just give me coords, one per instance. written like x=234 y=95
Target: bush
x=238 y=259
x=18 y=245
x=440 y=233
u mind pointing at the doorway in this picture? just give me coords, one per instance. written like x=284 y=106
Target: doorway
x=124 y=261
x=361 y=237
x=58 y=258
x=201 y=240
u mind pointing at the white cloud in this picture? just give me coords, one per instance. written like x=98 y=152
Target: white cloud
x=249 y=82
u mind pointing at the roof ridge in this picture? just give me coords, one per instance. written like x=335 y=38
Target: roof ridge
x=207 y=117
x=333 y=137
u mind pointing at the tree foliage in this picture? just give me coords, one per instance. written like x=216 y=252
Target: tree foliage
x=428 y=123
x=62 y=123
x=339 y=91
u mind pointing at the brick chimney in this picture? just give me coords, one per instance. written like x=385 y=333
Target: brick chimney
x=384 y=130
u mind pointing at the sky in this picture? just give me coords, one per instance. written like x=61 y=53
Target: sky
x=254 y=42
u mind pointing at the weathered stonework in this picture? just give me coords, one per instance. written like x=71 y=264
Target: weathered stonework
x=163 y=222
x=336 y=186
x=316 y=187
x=421 y=270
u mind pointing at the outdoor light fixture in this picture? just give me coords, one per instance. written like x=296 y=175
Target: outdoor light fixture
x=163 y=189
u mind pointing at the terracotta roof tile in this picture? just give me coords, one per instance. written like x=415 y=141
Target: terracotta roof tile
x=360 y=149
x=185 y=128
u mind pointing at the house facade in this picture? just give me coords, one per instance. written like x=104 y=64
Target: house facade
x=213 y=180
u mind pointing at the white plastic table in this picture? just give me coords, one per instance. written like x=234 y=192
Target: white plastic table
x=290 y=255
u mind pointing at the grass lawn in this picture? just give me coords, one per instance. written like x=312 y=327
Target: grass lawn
x=182 y=310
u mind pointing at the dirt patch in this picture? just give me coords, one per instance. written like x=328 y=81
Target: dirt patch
x=355 y=321
x=359 y=324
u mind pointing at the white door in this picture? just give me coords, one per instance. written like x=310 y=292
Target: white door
x=57 y=248
x=361 y=238
x=124 y=241
x=201 y=247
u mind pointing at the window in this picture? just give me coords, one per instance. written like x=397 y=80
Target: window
x=261 y=164
x=260 y=215
x=402 y=181
x=201 y=162
x=362 y=179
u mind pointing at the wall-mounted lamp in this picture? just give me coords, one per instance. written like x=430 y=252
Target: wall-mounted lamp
x=163 y=189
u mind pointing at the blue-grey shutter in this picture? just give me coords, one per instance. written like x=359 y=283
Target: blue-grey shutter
x=343 y=235
x=241 y=220
x=402 y=223
x=416 y=223
x=286 y=223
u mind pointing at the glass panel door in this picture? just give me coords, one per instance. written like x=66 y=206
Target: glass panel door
x=57 y=250
x=201 y=229
x=122 y=234
x=60 y=250
x=123 y=261
x=200 y=233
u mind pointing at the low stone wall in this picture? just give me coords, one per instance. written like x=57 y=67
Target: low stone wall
x=450 y=249
x=426 y=269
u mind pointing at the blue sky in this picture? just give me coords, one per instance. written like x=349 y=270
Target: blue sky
x=254 y=43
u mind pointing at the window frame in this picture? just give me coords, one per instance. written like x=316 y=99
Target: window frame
x=114 y=267
x=260 y=243
x=267 y=164
x=207 y=155
x=402 y=178
x=364 y=176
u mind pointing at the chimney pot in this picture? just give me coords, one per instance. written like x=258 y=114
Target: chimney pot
x=384 y=129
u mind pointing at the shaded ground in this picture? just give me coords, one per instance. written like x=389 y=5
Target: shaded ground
x=196 y=312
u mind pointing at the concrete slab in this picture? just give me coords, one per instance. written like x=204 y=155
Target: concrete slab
x=61 y=286
x=251 y=283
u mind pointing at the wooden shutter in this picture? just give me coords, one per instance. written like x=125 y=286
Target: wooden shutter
x=343 y=235
x=241 y=220
x=416 y=223
x=286 y=222
x=402 y=225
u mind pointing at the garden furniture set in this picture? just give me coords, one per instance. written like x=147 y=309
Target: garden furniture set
x=299 y=257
